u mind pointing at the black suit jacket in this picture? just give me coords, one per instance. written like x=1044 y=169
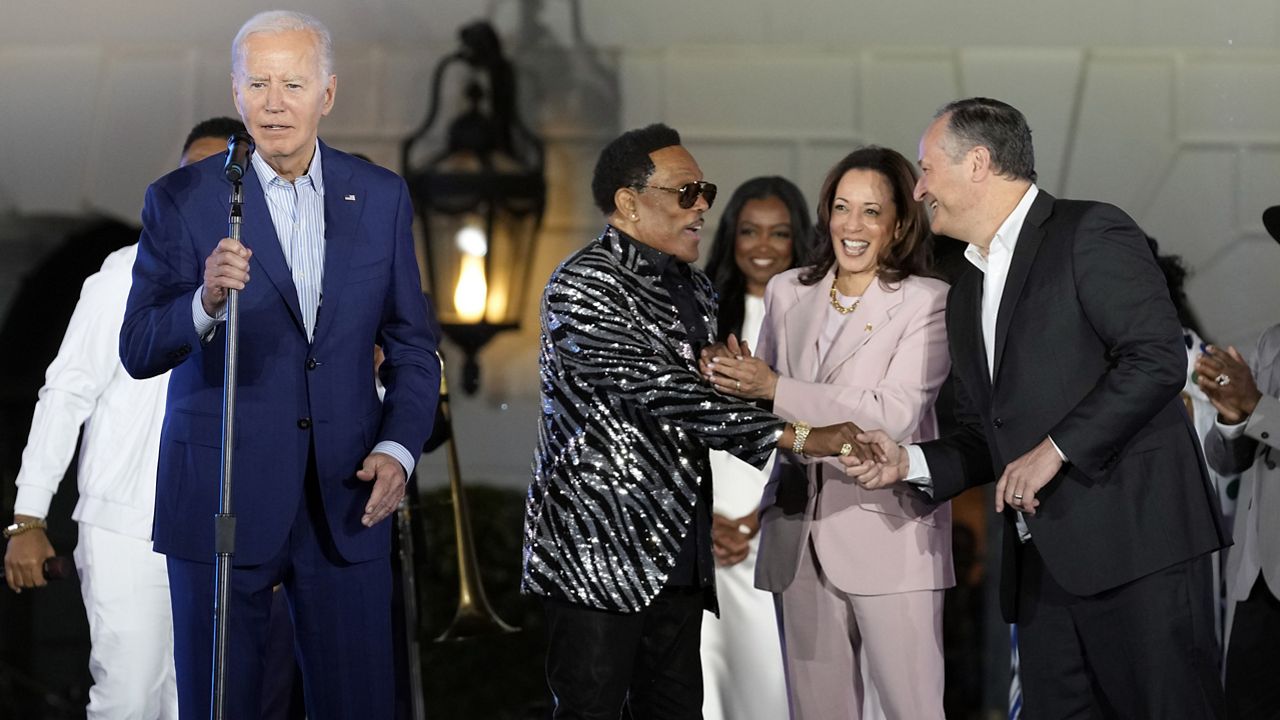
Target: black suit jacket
x=1089 y=351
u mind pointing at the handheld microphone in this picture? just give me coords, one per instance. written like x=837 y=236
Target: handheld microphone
x=1271 y=221
x=239 y=148
x=55 y=568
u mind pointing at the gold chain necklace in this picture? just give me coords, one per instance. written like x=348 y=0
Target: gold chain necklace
x=835 y=301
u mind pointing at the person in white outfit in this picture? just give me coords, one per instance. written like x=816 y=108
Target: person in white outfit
x=124 y=584
x=765 y=229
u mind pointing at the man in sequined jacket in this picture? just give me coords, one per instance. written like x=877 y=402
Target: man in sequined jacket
x=618 y=516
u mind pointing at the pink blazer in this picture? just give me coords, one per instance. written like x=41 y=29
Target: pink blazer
x=882 y=371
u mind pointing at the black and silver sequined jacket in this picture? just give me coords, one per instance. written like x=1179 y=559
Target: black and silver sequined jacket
x=624 y=432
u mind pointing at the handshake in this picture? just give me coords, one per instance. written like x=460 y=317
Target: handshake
x=874 y=460
x=871 y=458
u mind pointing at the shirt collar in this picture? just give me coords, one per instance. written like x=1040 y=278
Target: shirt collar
x=661 y=261
x=1006 y=236
x=314 y=174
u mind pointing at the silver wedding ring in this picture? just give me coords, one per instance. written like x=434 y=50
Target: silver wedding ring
x=1017 y=497
x=1223 y=380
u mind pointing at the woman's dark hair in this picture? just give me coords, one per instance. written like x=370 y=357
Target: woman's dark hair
x=911 y=254
x=1175 y=276
x=722 y=266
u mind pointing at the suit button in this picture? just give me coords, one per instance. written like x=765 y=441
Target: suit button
x=304 y=423
x=1271 y=464
x=1265 y=435
x=311 y=363
x=998 y=422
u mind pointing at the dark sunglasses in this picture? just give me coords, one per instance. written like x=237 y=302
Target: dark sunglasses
x=687 y=194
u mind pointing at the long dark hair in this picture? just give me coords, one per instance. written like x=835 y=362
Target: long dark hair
x=910 y=254
x=722 y=267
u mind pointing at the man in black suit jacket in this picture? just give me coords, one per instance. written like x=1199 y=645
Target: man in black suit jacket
x=1067 y=358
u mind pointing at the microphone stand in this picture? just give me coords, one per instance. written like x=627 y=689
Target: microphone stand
x=224 y=528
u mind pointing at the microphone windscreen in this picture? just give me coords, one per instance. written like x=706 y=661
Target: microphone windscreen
x=1271 y=221
x=239 y=147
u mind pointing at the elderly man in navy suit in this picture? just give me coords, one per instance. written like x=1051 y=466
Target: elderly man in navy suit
x=326 y=270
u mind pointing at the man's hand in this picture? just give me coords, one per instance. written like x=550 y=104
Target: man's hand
x=1024 y=477
x=25 y=556
x=830 y=441
x=1236 y=399
x=715 y=350
x=891 y=466
x=731 y=537
x=743 y=376
x=388 y=479
x=730 y=348
x=226 y=268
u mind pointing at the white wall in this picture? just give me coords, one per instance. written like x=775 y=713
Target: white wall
x=1165 y=107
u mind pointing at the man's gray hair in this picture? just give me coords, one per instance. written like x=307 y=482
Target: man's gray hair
x=999 y=127
x=275 y=21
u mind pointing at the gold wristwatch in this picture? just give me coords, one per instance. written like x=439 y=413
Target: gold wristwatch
x=801 y=434
x=20 y=527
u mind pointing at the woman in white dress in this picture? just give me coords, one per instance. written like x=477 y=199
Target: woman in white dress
x=765 y=229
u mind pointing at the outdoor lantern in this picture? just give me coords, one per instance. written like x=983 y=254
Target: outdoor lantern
x=480 y=199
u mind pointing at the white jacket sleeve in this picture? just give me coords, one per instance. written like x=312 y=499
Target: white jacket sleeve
x=86 y=362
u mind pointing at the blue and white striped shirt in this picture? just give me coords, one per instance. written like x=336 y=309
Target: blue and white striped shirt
x=297 y=211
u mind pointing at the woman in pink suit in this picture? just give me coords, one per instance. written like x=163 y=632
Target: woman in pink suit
x=858 y=575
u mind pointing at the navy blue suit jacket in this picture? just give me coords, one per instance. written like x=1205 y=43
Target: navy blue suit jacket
x=291 y=393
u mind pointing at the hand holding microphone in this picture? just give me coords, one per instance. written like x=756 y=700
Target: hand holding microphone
x=227 y=267
x=29 y=559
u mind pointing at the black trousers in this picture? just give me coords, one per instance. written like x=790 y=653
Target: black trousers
x=1253 y=657
x=599 y=662
x=1143 y=650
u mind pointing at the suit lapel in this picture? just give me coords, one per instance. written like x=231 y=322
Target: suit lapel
x=802 y=326
x=964 y=328
x=874 y=310
x=259 y=235
x=1024 y=255
x=343 y=204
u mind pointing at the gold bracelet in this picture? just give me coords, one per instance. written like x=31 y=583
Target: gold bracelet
x=802 y=433
x=20 y=527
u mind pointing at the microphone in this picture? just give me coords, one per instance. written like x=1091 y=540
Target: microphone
x=1271 y=221
x=239 y=148
x=59 y=567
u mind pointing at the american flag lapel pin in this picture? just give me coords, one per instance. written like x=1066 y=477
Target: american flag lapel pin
x=350 y=198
